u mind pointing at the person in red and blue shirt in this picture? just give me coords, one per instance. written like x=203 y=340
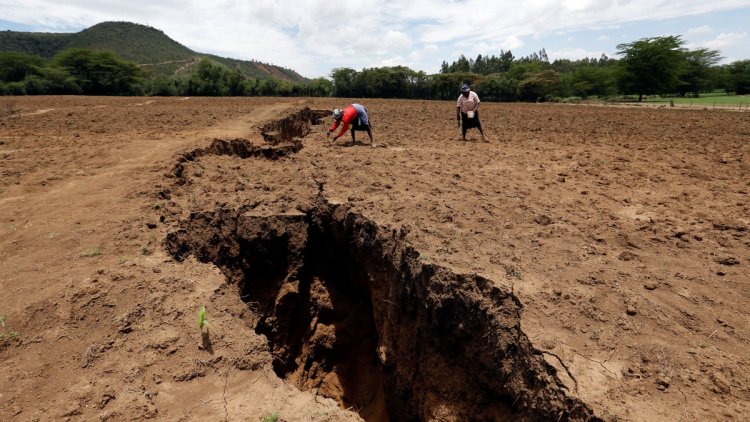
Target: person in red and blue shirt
x=354 y=115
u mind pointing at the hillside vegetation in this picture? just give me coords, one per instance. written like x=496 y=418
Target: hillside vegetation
x=156 y=53
x=128 y=59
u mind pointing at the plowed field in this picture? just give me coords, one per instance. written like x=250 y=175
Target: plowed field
x=587 y=263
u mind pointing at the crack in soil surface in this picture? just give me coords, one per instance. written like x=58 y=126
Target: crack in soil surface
x=351 y=311
x=284 y=137
x=296 y=125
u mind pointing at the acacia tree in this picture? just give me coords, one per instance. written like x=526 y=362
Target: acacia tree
x=15 y=67
x=698 y=70
x=651 y=65
x=100 y=72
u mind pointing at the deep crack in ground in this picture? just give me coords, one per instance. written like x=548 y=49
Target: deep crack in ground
x=351 y=312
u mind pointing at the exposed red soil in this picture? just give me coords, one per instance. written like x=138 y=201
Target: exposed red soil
x=587 y=262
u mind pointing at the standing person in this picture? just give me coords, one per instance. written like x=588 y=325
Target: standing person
x=354 y=115
x=467 y=111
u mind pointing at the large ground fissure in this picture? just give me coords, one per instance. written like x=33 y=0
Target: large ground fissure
x=351 y=312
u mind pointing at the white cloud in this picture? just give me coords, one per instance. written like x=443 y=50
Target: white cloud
x=313 y=36
x=698 y=31
x=724 y=40
x=573 y=54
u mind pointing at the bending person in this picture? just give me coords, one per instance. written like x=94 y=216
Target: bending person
x=467 y=111
x=354 y=115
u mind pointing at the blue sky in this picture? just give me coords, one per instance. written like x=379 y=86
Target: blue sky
x=315 y=36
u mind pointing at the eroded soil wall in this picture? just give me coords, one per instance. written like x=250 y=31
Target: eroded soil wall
x=350 y=310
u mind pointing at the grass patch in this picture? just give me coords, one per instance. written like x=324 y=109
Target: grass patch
x=705 y=100
x=273 y=417
x=13 y=335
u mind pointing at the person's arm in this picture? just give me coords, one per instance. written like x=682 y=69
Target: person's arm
x=332 y=128
x=344 y=127
x=350 y=113
x=458 y=115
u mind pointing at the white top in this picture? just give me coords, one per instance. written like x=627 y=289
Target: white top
x=468 y=104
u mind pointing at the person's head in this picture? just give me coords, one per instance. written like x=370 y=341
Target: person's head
x=465 y=89
x=337 y=113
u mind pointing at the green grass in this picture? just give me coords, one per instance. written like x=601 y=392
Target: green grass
x=705 y=100
x=13 y=335
x=274 y=417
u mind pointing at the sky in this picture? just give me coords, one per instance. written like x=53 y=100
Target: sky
x=313 y=37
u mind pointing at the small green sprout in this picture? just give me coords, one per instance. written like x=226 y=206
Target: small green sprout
x=273 y=417
x=202 y=317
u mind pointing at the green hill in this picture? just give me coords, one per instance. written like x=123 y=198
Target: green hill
x=149 y=47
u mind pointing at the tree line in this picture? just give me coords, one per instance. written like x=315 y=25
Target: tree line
x=88 y=72
x=649 y=66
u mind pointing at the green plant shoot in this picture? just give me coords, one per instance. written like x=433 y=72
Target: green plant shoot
x=202 y=317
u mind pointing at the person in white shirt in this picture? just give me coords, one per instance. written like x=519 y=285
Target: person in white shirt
x=467 y=111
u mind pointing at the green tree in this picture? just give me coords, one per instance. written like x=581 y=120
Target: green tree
x=162 y=86
x=15 y=67
x=539 y=86
x=738 y=77
x=234 y=80
x=100 y=72
x=498 y=87
x=209 y=79
x=320 y=87
x=344 y=80
x=587 y=81
x=699 y=70
x=651 y=65
x=462 y=65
